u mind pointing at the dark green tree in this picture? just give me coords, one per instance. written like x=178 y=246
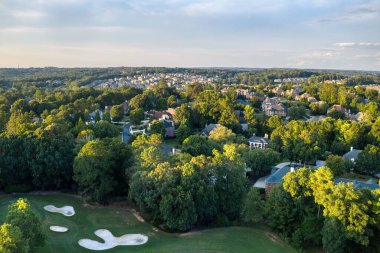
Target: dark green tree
x=100 y=168
x=20 y=215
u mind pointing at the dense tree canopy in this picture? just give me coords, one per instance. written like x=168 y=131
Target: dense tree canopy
x=100 y=168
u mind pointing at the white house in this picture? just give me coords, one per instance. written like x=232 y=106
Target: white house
x=258 y=142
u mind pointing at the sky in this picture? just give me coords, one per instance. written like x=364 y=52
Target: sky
x=324 y=34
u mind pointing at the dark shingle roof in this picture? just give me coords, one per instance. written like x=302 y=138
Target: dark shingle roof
x=370 y=185
x=353 y=154
x=209 y=128
x=258 y=139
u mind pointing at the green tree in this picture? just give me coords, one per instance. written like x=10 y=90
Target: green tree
x=104 y=129
x=328 y=92
x=4 y=115
x=20 y=215
x=227 y=113
x=230 y=188
x=296 y=112
x=183 y=114
x=336 y=114
x=172 y=100
x=339 y=165
x=281 y=212
x=20 y=123
x=368 y=161
x=157 y=127
x=261 y=161
x=183 y=131
x=375 y=130
x=253 y=210
x=333 y=236
x=117 y=112
x=11 y=240
x=319 y=108
x=222 y=134
x=100 y=168
x=51 y=162
x=150 y=157
x=274 y=122
x=371 y=94
x=249 y=115
x=136 y=116
x=197 y=145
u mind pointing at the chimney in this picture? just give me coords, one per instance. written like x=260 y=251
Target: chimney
x=351 y=148
x=266 y=136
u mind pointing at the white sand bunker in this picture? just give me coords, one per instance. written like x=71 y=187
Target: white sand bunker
x=111 y=241
x=65 y=210
x=58 y=229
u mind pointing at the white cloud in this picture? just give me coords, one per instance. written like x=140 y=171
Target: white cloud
x=358 y=44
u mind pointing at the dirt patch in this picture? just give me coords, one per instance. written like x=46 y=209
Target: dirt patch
x=191 y=233
x=273 y=238
x=137 y=215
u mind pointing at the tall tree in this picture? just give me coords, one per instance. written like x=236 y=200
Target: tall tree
x=20 y=215
x=100 y=168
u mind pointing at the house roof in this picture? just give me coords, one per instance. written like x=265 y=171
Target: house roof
x=207 y=130
x=370 y=184
x=258 y=139
x=277 y=107
x=241 y=101
x=272 y=101
x=277 y=176
x=261 y=182
x=353 y=154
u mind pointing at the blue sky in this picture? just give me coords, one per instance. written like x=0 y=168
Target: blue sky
x=339 y=34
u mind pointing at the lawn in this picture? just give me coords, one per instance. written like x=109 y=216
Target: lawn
x=120 y=221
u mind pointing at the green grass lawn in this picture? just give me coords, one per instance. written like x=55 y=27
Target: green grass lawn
x=122 y=221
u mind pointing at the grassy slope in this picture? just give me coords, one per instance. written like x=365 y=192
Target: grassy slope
x=120 y=221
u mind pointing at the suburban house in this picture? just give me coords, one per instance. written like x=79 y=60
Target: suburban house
x=352 y=154
x=307 y=97
x=276 y=176
x=359 y=117
x=316 y=118
x=278 y=91
x=280 y=170
x=252 y=95
x=171 y=111
x=242 y=92
x=166 y=117
x=129 y=130
x=293 y=92
x=258 y=142
x=160 y=115
x=273 y=106
x=209 y=128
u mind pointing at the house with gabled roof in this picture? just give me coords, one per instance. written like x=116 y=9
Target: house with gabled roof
x=257 y=142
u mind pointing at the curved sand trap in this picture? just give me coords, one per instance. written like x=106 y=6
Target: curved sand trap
x=111 y=241
x=65 y=210
x=58 y=229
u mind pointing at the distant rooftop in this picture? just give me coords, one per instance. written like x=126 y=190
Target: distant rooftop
x=369 y=185
x=352 y=154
